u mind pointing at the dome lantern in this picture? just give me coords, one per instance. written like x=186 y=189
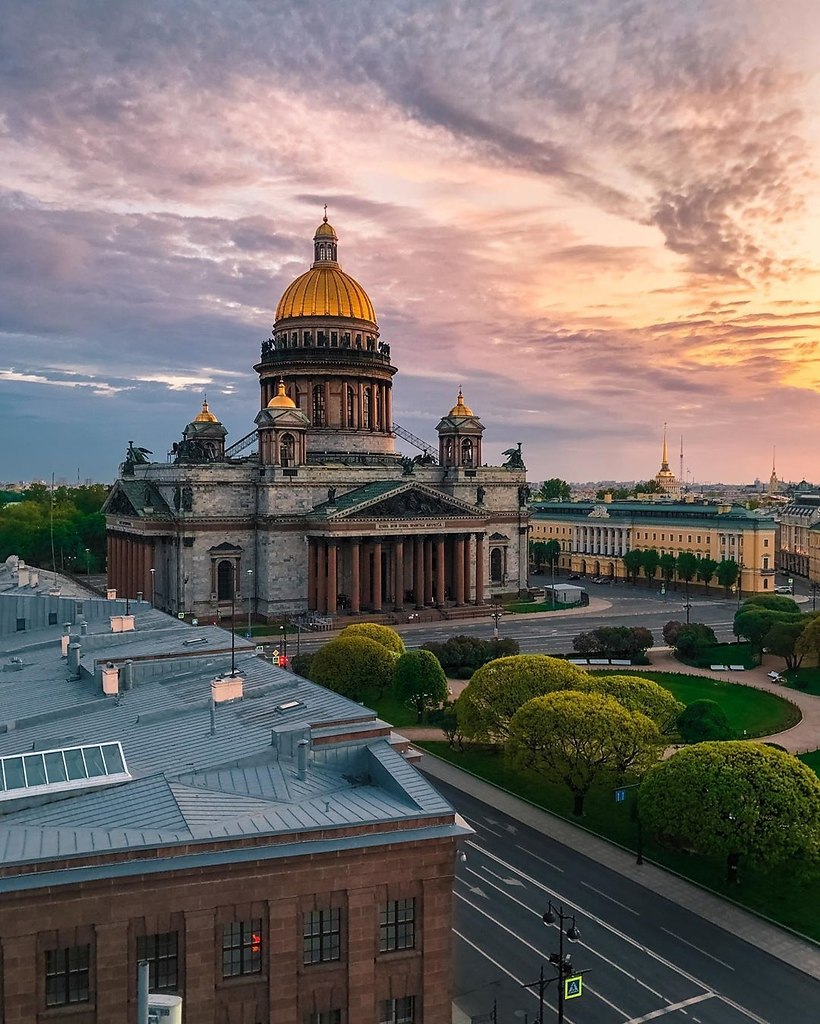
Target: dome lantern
x=459 y=434
x=325 y=243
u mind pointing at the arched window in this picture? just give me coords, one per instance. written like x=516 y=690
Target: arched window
x=467 y=452
x=366 y=408
x=287 y=449
x=319 y=406
x=448 y=451
x=224 y=580
x=496 y=565
x=350 y=395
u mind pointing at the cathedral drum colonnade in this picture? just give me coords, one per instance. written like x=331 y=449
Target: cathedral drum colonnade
x=314 y=510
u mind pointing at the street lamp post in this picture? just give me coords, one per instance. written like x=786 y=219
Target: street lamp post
x=814 y=588
x=250 y=598
x=739 y=583
x=153 y=574
x=284 y=630
x=87 y=562
x=552 y=582
x=496 y=614
x=561 y=963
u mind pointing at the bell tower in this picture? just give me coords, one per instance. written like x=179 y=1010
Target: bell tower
x=459 y=437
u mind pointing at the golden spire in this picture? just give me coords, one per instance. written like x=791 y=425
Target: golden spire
x=206 y=416
x=665 y=459
x=281 y=399
x=460 y=409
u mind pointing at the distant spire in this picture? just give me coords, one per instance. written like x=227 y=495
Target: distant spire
x=774 y=471
x=665 y=459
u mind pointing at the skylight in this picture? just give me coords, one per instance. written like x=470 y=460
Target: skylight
x=54 y=771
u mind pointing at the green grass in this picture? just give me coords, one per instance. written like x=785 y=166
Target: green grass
x=543 y=606
x=750 y=712
x=812 y=759
x=394 y=711
x=779 y=894
x=805 y=679
x=724 y=654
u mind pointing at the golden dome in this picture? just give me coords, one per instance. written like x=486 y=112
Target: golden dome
x=460 y=409
x=281 y=399
x=206 y=416
x=326 y=291
x=325 y=230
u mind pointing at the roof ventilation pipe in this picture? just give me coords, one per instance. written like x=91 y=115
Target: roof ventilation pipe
x=302 y=759
x=127 y=675
x=83 y=629
x=74 y=660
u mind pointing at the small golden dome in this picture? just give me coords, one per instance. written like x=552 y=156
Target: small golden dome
x=281 y=399
x=326 y=230
x=460 y=409
x=326 y=291
x=206 y=416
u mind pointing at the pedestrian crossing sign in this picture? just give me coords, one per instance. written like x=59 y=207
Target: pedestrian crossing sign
x=573 y=987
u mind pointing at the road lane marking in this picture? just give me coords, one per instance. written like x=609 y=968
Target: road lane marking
x=612 y=899
x=535 y=949
x=480 y=824
x=693 y=946
x=506 y=881
x=543 y=860
x=671 y=1008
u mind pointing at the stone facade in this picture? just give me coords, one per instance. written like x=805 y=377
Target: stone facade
x=315 y=511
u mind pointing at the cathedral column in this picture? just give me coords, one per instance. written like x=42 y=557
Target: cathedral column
x=479 y=568
x=355 y=580
x=377 y=576
x=468 y=563
x=321 y=576
x=332 y=578
x=367 y=593
x=458 y=570
x=428 y=570
x=372 y=406
x=418 y=575
x=389 y=408
x=440 y=572
x=398 y=573
x=312 y=574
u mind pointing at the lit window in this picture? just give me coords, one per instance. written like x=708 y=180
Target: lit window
x=242 y=948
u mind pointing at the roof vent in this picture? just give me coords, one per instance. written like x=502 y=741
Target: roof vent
x=194 y=640
x=225 y=688
x=289 y=705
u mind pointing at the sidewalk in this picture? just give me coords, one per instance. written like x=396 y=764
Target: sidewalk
x=756 y=930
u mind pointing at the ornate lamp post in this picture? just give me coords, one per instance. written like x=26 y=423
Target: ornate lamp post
x=153 y=574
x=250 y=599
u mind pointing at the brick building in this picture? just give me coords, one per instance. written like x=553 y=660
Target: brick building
x=274 y=856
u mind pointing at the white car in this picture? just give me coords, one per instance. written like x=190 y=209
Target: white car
x=785 y=589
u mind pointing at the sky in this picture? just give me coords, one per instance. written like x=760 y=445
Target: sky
x=596 y=216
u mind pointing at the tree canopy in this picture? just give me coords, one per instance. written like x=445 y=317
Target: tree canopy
x=470 y=652
x=703 y=720
x=419 y=681
x=650 y=560
x=808 y=643
x=727 y=572
x=734 y=799
x=693 y=639
x=383 y=635
x=636 y=693
x=554 y=489
x=498 y=689
x=580 y=739
x=614 y=641
x=686 y=566
x=355 y=666
x=781 y=640
x=706 y=570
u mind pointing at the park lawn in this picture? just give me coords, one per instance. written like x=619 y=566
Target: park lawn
x=779 y=894
x=750 y=712
x=524 y=607
x=812 y=759
x=805 y=679
x=724 y=654
x=394 y=711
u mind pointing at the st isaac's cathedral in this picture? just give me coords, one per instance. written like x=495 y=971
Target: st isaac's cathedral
x=314 y=510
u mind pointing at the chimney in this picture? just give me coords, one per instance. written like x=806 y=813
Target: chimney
x=34 y=578
x=65 y=640
x=225 y=688
x=22 y=577
x=74 y=659
x=128 y=675
x=111 y=594
x=83 y=629
x=302 y=759
x=122 y=623
x=110 y=679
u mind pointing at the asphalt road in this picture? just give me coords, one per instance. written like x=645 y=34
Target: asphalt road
x=646 y=958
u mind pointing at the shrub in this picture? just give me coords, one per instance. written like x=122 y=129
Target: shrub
x=469 y=652
x=703 y=720
x=693 y=639
x=614 y=641
x=383 y=635
x=446 y=718
x=300 y=663
x=773 y=603
x=671 y=631
x=464 y=672
x=355 y=666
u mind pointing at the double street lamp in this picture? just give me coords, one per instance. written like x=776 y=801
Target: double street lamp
x=250 y=599
x=496 y=614
x=560 y=961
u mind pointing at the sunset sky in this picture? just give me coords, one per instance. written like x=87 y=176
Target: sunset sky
x=595 y=215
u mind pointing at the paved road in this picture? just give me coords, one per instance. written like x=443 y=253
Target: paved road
x=647 y=958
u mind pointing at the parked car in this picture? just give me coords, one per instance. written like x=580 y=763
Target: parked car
x=574 y=576
x=784 y=589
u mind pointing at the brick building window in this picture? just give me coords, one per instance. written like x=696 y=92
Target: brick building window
x=67 y=976
x=398 y=1011
x=397 y=925
x=329 y=1017
x=162 y=953
x=242 y=948
x=322 y=935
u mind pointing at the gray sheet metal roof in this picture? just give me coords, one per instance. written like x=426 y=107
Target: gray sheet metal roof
x=188 y=783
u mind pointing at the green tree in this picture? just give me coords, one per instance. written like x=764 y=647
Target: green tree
x=446 y=718
x=419 y=681
x=552 y=553
x=703 y=720
x=773 y=603
x=355 y=666
x=384 y=635
x=734 y=799
x=538 y=553
x=614 y=641
x=808 y=643
x=636 y=693
x=727 y=572
x=694 y=639
x=580 y=739
x=753 y=624
x=686 y=566
x=501 y=687
x=633 y=560
x=706 y=571
x=781 y=640
x=470 y=652
x=671 y=632
x=650 y=560
x=616 y=493
x=647 y=487
x=554 y=489
x=667 y=564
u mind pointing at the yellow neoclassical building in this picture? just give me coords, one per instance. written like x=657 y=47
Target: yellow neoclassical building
x=594 y=536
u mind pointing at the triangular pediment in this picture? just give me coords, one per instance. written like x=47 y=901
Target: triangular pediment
x=118 y=503
x=411 y=501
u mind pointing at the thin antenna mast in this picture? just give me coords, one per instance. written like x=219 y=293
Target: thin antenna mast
x=680 y=478
x=53 y=559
